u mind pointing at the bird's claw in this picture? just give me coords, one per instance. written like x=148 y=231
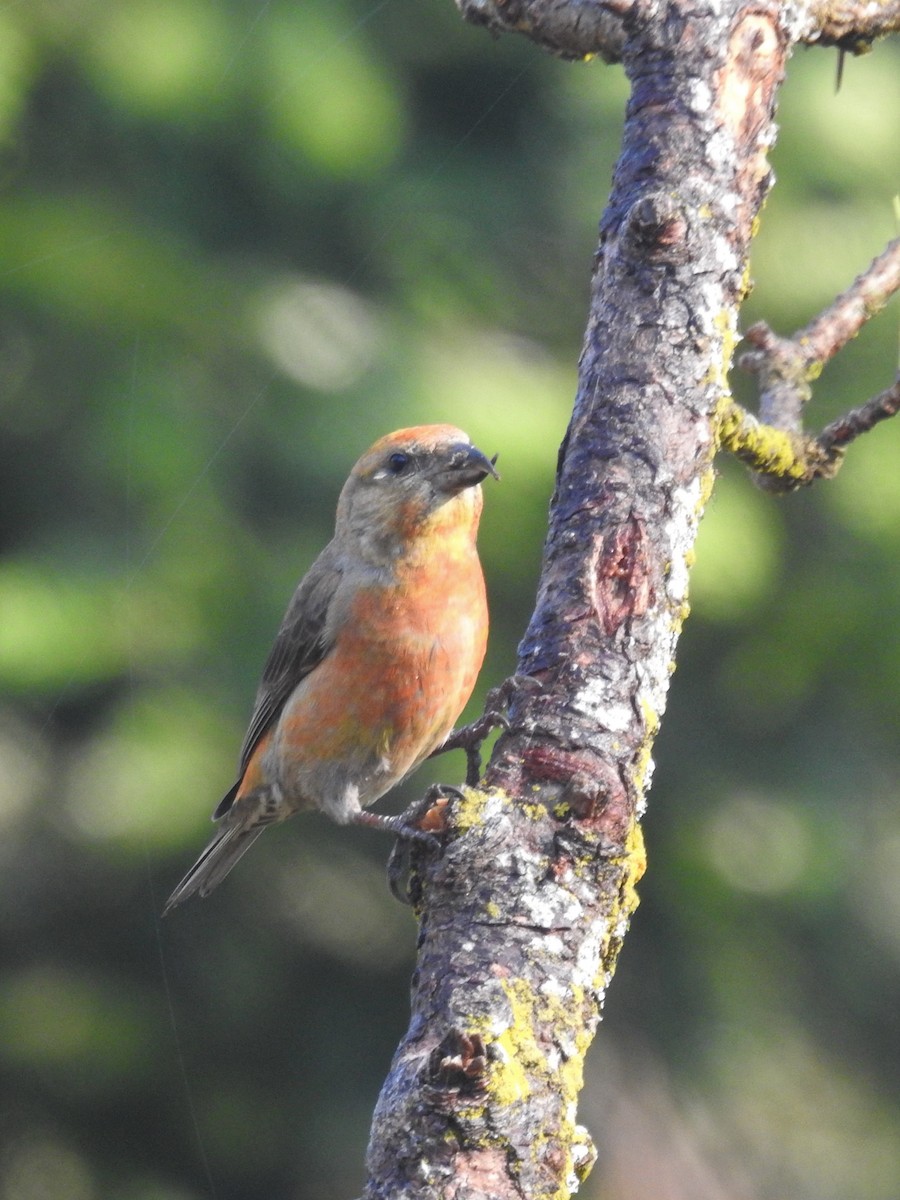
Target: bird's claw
x=399 y=876
x=421 y=824
x=471 y=737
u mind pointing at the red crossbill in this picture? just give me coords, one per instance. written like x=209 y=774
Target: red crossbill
x=377 y=653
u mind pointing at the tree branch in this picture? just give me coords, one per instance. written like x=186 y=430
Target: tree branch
x=774 y=445
x=850 y=24
x=522 y=915
x=569 y=28
x=578 y=29
x=840 y=433
x=786 y=366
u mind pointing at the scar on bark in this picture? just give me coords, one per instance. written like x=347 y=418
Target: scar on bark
x=622 y=587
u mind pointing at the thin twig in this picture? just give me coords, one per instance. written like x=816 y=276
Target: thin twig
x=832 y=329
x=785 y=366
x=774 y=444
x=840 y=433
x=575 y=29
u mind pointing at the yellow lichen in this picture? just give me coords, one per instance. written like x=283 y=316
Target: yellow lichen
x=508 y=1076
x=746 y=281
x=636 y=860
x=634 y=863
x=814 y=370
x=770 y=450
x=724 y=323
x=469 y=811
x=642 y=759
x=519 y=1057
x=707 y=483
x=518 y=1061
x=544 y=1037
x=536 y=812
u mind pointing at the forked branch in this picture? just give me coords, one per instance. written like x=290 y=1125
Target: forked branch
x=774 y=443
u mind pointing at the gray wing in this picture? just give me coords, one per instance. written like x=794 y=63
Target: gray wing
x=303 y=640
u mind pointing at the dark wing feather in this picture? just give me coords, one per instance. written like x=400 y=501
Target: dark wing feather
x=302 y=642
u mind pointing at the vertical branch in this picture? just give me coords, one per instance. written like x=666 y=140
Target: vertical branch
x=523 y=912
x=634 y=469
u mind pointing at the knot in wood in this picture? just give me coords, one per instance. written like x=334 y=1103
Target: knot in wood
x=656 y=228
x=456 y=1067
x=581 y=793
x=592 y=790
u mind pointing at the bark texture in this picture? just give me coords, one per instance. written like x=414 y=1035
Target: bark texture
x=523 y=911
x=583 y=28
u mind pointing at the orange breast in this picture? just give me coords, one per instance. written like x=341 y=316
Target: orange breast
x=403 y=666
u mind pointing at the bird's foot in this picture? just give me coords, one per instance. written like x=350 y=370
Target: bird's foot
x=420 y=824
x=472 y=737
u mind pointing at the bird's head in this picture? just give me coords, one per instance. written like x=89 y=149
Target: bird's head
x=413 y=483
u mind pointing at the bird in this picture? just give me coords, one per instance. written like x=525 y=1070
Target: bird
x=377 y=654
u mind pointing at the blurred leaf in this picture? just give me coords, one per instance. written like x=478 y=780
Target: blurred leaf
x=87 y=260
x=65 y=1019
x=37 y=1166
x=161 y=58
x=19 y=60
x=55 y=631
x=152 y=778
x=324 y=97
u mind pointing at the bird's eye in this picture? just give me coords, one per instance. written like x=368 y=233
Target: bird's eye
x=398 y=463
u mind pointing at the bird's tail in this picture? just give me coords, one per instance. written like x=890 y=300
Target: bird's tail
x=231 y=841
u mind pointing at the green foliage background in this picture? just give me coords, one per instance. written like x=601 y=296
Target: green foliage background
x=238 y=241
